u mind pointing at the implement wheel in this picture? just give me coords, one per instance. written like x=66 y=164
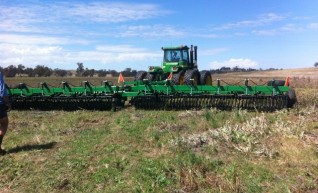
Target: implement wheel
x=178 y=78
x=140 y=75
x=205 y=77
x=192 y=74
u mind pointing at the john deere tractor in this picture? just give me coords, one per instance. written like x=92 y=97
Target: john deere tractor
x=181 y=63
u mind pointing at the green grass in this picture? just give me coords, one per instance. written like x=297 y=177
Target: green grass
x=158 y=151
x=163 y=151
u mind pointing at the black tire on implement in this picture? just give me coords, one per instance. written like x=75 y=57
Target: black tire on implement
x=178 y=78
x=140 y=75
x=291 y=94
x=192 y=74
x=276 y=83
x=205 y=77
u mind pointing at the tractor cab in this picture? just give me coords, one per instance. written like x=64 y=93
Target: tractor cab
x=176 y=55
x=176 y=59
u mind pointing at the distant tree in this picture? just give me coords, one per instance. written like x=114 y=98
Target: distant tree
x=60 y=72
x=20 y=69
x=29 y=72
x=41 y=70
x=80 y=69
x=316 y=64
x=88 y=72
x=113 y=72
x=133 y=72
x=235 y=68
x=101 y=73
x=10 y=71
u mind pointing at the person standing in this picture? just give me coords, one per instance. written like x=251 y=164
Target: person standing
x=4 y=107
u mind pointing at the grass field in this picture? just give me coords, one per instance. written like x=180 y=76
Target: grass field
x=165 y=151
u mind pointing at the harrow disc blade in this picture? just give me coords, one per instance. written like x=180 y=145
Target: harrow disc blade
x=98 y=102
x=223 y=102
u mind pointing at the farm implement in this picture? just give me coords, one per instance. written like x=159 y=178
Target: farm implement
x=161 y=95
x=177 y=84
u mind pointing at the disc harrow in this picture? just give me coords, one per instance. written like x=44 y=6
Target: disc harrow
x=62 y=102
x=152 y=95
x=223 y=102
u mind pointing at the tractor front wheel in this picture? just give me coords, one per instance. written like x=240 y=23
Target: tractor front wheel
x=140 y=75
x=178 y=78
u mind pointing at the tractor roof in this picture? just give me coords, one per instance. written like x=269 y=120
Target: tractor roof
x=175 y=47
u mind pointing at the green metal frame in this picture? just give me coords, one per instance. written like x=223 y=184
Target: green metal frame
x=139 y=88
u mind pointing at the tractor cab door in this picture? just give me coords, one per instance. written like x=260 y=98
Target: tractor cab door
x=179 y=56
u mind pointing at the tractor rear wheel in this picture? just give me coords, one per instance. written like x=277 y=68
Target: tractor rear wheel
x=178 y=78
x=192 y=77
x=205 y=77
x=140 y=75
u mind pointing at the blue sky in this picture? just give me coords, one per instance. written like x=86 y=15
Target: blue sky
x=121 y=34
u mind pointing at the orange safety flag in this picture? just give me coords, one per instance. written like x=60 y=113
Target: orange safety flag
x=121 y=78
x=287 y=81
x=170 y=76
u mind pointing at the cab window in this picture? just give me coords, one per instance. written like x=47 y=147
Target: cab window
x=172 y=55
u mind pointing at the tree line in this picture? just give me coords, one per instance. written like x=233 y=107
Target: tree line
x=81 y=71
x=44 y=71
x=39 y=70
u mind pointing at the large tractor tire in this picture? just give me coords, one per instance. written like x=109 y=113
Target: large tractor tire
x=192 y=77
x=178 y=78
x=152 y=76
x=140 y=75
x=205 y=77
x=291 y=98
x=276 y=83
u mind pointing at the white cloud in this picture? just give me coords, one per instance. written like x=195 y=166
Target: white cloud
x=313 y=26
x=27 y=17
x=30 y=39
x=114 y=12
x=240 y=62
x=208 y=35
x=291 y=27
x=39 y=40
x=149 y=31
x=59 y=57
x=212 y=52
x=116 y=54
x=30 y=55
x=262 y=20
x=270 y=32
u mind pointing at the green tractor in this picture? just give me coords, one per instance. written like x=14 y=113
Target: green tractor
x=182 y=63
